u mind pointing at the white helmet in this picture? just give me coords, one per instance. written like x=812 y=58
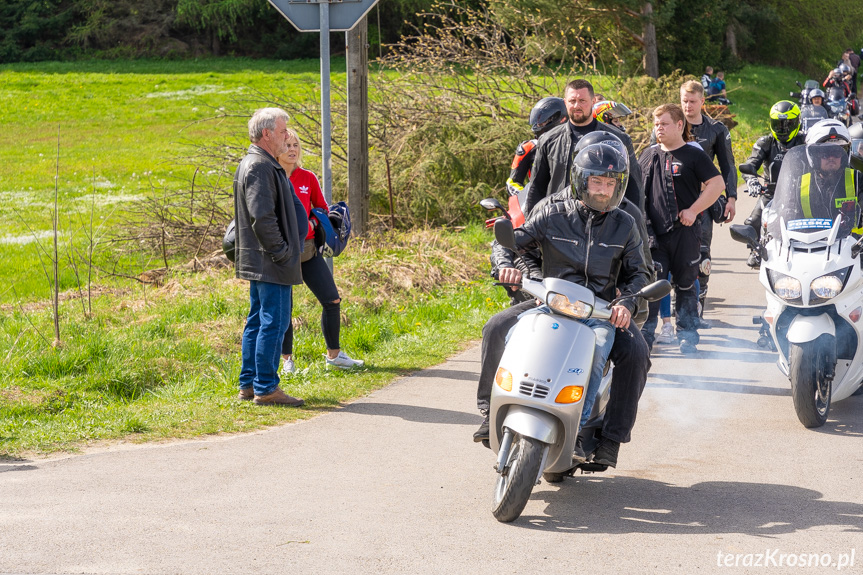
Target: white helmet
x=828 y=131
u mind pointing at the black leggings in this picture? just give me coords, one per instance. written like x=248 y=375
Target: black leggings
x=318 y=277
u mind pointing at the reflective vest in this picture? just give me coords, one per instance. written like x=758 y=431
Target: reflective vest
x=850 y=195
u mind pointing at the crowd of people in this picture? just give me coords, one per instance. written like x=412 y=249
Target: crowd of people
x=669 y=201
x=593 y=213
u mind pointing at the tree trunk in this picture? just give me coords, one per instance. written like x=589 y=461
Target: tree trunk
x=651 y=57
x=731 y=39
x=215 y=45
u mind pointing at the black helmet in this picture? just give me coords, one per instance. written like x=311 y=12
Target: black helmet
x=548 y=113
x=784 y=121
x=604 y=161
x=601 y=136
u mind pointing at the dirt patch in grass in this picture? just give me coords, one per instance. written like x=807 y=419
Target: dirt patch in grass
x=12 y=394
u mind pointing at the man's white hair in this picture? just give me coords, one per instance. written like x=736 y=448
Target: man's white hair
x=264 y=118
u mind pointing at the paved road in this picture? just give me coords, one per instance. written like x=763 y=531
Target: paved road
x=718 y=465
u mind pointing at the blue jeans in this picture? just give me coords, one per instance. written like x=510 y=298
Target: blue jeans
x=665 y=303
x=604 y=341
x=269 y=316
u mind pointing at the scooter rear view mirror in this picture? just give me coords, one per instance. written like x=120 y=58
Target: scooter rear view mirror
x=503 y=233
x=656 y=291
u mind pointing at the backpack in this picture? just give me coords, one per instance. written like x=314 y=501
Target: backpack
x=229 y=242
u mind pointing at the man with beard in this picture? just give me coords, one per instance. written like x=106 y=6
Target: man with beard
x=551 y=166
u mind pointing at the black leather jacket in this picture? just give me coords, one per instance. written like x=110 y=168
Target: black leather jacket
x=770 y=153
x=553 y=161
x=602 y=252
x=715 y=140
x=271 y=221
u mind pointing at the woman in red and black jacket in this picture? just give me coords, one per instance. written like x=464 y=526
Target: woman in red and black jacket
x=316 y=274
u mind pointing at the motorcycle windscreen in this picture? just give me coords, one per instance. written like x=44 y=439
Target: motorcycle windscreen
x=815 y=187
x=835 y=93
x=810 y=114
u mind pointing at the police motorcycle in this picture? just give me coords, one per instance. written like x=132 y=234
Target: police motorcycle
x=538 y=393
x=811 y=271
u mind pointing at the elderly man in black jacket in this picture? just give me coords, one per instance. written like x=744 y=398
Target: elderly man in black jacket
x=271 y=227
x=553 y=160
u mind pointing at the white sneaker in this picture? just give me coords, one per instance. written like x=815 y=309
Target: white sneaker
x=343 y=361
x=288 y=367
x=667 y=334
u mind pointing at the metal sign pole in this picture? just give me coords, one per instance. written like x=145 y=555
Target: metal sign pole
x=326 y=128
x=326 y=159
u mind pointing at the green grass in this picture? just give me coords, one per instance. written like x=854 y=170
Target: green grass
x=754 y=90
x=121 y=129
x=164 y=362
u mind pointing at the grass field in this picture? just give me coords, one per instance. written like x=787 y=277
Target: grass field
x=121 y=127
x=161 y=362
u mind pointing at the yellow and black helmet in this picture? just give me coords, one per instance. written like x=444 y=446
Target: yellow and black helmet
x=784 y=121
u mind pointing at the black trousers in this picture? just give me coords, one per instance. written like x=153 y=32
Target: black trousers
x=678 y=252
x=320 y=280
x=706 y=240
x=630 y=355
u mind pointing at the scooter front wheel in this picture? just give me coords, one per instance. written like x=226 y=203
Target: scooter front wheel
x=516 y=480
x=810 y=389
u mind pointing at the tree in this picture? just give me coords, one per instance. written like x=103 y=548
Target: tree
x=218 y=18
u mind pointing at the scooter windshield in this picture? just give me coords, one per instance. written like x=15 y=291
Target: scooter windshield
x=815 y=187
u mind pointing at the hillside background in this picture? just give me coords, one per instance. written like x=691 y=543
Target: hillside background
x=801 y=34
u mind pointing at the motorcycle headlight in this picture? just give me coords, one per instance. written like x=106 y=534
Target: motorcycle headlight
x=561 y=304
x=828 y=286
x=786 y=287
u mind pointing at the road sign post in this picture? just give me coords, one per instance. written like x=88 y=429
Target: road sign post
x=324 y=16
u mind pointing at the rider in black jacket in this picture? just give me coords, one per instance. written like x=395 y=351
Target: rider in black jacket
x=547 y=114
x=551 y=167
x=769 y=151
x=587 y=241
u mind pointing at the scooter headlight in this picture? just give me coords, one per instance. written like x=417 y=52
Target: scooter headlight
x=786 y=287
x=827 y=286
x=561 y=304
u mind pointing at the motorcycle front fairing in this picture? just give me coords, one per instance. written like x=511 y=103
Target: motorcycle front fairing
x=806 y=252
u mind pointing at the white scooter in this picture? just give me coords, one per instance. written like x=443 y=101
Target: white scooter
x=538 y=395
x=811 y=271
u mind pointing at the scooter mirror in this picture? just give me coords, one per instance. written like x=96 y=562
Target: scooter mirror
x=856 y=162
x=746 y=169
x=503 y=233
x=744 y=234
x=656 y=291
